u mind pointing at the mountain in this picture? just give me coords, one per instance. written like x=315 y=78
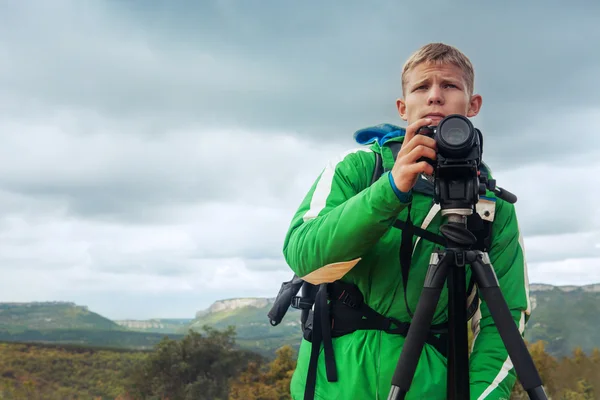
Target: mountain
x=249 y=316
x=66 y=322
x=15 y=317
x=563 y=316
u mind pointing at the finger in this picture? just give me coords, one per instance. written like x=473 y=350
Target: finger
x=412 y=129
x=422 y=167
x=420 y=140
x=421 y=151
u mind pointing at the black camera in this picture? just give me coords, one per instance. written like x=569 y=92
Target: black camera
x=457 y=140
x=456 y=169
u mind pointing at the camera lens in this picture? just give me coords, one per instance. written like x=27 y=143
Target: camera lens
x=456 y=135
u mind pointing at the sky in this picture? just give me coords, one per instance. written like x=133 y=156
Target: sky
x=152 y=153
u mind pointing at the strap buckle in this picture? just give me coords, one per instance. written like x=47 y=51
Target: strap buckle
x=301 y=303
x=401 y=327
x=439 y=329
x=346 y=299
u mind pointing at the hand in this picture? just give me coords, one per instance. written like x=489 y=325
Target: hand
x=406 y=169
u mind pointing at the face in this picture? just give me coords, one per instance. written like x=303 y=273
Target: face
x=435 y=91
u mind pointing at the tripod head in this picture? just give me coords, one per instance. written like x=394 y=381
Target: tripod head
x=457 y=187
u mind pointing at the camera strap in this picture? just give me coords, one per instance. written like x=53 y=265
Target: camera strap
x=406 y=254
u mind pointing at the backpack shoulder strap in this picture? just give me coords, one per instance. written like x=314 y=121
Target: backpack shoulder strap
x=378 y=170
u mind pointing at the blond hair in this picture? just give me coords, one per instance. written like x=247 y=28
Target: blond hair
x=440 y=53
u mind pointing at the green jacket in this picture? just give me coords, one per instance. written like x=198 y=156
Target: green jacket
x=343 y=218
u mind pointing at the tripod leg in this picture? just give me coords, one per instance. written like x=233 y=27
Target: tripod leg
x=487 y=282
x=419 y=327
x=458 y=349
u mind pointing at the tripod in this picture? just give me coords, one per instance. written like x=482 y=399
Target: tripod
x=450 y=264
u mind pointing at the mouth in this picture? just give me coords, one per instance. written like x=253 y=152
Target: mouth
x=434 y=116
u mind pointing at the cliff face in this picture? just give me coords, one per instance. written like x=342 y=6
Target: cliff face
x=234 y=304
x=134 y=324
x=564 y=317
x=256 y=302
x=539 y=287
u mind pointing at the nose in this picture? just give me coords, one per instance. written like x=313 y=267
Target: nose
x=435 y=96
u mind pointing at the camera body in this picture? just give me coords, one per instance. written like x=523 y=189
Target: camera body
x=459 y=156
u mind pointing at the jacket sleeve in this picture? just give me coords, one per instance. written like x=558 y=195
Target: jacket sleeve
x=341 y=216
x=491 y=370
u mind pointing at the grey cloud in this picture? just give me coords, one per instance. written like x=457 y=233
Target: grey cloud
x=562 y=246
x=124 y=176
x=562 y=138
x=276 y=262
x=325 y=74
x=571 y=271
x=554 y=198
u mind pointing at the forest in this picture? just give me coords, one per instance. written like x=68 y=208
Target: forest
x=209 y=365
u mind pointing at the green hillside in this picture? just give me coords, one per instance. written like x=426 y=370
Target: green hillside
x=253 y=330
x=113 y=339
x=565 y=317
x=16 y=317
x=64 y=322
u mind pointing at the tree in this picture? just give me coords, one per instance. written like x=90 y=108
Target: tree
x=595 y=357
x=271 y=382
x=546 y=366
x=197 y=367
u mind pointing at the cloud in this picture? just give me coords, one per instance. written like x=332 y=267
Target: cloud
x=110 y=173
x=543 y=139
x=137 y=294
x=562 y=247
x=127 y=216
x=326 y=74
x=570 y=271
x=554 y=198
x=152 y=157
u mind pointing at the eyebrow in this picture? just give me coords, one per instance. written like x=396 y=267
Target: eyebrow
x=445 y=79
x=452 y=80
x=419 y=83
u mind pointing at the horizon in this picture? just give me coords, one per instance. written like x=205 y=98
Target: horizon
x=229 y=299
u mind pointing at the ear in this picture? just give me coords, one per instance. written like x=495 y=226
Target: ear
x=401 y=106
x=474 y=105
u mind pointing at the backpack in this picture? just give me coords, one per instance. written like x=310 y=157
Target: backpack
x=345 y=301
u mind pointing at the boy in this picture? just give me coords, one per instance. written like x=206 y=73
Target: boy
x=343 y=231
